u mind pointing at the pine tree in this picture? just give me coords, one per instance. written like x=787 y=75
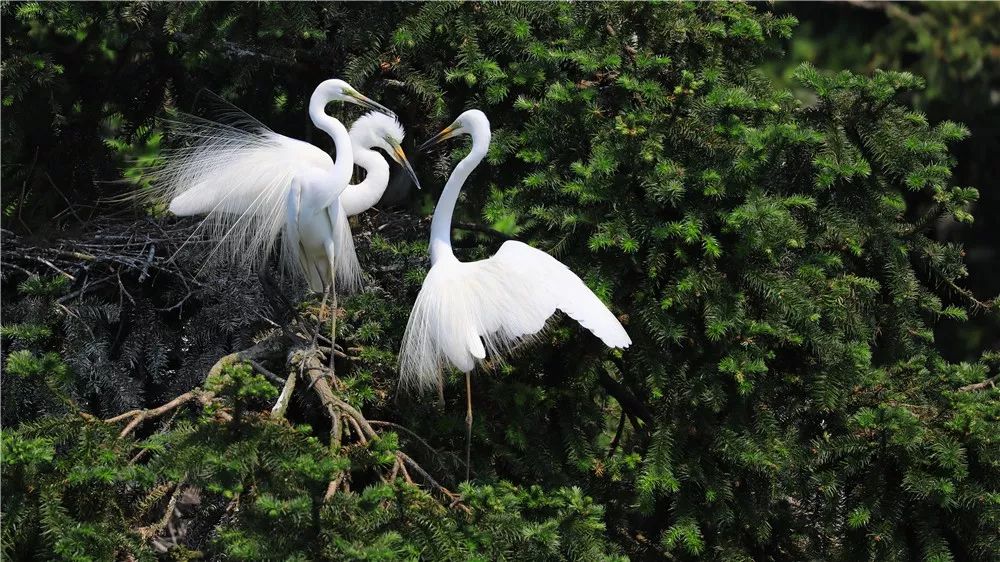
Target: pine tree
x=770 y=256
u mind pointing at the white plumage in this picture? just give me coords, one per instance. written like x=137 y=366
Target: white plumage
x=465 y=310
x=240 y=180
x=252 y=184
x=370 y=131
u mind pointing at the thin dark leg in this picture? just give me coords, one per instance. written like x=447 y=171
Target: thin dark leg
x=468 y=423
x=333 y=315
x=319 y=319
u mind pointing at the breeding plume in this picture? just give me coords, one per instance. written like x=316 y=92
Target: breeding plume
x=252 y=184
x=465 y=309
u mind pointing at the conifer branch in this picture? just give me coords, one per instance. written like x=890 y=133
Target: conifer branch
x=409 y=432
x=155 y=529
x=618 y=434
x=629 y=403
x=976 y=304
x=483 y=229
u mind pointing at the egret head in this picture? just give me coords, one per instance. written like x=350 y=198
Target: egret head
x=472 y=122
x=338 y=90
x=376 y=130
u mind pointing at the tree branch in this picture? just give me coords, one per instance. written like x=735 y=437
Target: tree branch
x=265 y=348
x=625 y=398
x=312 y=367
x=482 y=229
x=988 y=383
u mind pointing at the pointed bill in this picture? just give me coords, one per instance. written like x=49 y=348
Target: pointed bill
x=400 y=157
x=368 y=103
x=447 y=133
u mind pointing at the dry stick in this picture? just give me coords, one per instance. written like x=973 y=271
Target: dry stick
x=406 y=475
x=205 y=397
x=406 y=430
x=337 y=352
x=618 y=435
x=336 y=433
x=52 y=265
x=331 y=488
x=154 y=529
x=395 y=470
x=139 y=415
x=307 y=365
x=980 y=385
x=455 y=498
x=264 y=371
x=310 y=366
x=281 y=405
x=357 y=430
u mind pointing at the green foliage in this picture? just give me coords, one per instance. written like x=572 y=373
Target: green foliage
x=952 y=47
x=784 y=397
x=90 y=502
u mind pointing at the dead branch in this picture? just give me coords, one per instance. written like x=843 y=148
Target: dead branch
x=455 y=498
x=618 y=435
x=406 y=430
x=111 y=247
x=988 y=383
x=265 y=348
x=281 y=405
x=319 y=376
x=155 y=529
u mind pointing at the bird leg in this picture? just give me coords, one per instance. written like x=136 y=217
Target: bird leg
x=319 y=319
x=333 y=315
x=468 y=422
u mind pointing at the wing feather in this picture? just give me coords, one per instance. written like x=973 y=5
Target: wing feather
x=466 y=309
x=238 y=178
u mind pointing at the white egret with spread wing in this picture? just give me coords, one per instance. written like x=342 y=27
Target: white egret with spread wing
x=465 y=309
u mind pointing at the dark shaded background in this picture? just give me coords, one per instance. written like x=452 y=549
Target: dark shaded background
x=87 y=92
x=955 y=47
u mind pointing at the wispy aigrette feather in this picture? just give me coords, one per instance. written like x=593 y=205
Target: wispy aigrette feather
x=239 y=179
x=251 y=184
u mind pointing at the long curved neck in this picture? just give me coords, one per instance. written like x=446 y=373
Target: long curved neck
x=441 y=223
x=362 y=196
x=343 y=166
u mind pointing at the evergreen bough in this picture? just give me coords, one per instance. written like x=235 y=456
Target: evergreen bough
x=770 y=256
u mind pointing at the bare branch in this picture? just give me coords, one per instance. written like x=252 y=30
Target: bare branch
x=988 y=383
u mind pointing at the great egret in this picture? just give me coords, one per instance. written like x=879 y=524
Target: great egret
x=251 y=184
x=372 y=130
x=467 y=308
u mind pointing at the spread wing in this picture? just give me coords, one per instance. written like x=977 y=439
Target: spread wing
x=465 y=309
